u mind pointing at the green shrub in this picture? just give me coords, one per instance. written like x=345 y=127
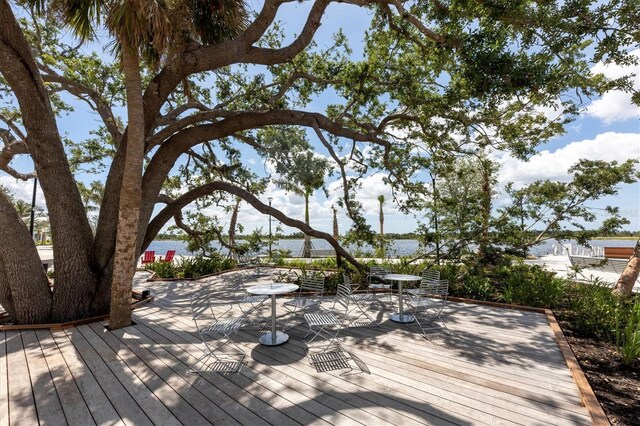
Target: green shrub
x=163 y=269
x=191 y=267
x=474 y=287
x=628 y=335
x=530 y=285
x=593 y=310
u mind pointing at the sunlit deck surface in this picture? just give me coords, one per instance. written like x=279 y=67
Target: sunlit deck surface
x=497 y=366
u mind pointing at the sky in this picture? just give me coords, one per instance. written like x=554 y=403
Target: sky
x=608 y=129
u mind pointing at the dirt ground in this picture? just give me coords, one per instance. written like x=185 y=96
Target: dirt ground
x=616 y=385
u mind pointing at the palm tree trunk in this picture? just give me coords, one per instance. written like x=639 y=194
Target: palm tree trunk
x=125 y=255
x=233 y=223
x=625 y=283
x=485 y=209
x=306 y=248
x=381 y=217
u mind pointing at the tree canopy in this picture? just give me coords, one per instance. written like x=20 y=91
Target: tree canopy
x=438 y=81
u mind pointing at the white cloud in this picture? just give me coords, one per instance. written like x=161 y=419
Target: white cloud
x=608 y=146
x=616 y=105
x=23 y=190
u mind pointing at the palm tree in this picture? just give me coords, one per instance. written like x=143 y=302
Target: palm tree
x=143 y=29
x=381 y=217
x=306 y=175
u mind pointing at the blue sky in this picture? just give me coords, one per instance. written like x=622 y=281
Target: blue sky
x=609 y=129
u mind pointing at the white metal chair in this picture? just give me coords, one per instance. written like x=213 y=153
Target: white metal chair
x=427 y=275
x=427 y=305
x=250 y=303
x=216 y=332
x=375 y=280
x=321 y=323
x=309 y=297
x=358 y=300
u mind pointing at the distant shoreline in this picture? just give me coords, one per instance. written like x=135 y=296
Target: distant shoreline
x=615 y=238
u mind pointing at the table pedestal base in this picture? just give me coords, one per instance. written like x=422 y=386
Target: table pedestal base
x=404 y=319
x=268 y=340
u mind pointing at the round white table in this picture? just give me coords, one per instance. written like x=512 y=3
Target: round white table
x=400 y=278
x=275 y=337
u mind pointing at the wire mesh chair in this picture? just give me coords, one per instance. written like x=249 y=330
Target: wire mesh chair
x=428 y=304
x=375 y=280
x=249 y=305
x=313 y=284
x=321 y=323
x=216 y=333
x=427 y=275
x=359 y=299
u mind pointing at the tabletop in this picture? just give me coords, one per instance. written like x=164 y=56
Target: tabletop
x=401 y=277
x=274 y=288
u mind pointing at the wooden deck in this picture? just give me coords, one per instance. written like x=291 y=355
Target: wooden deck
x=497 y=366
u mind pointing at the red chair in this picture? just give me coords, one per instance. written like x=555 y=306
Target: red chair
x=168 y=257
x=149 y=257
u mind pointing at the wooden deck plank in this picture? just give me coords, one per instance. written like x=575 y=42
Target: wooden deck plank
x=246 y=407
x=272 y=389
x=550 y=377
x=101 y=408
x=525 y=420
x=196 y=390
x=153 y=378
x=465 y=359
x=496 y=367
x=148 y=402
x=22 y=406
x=4 y=381
x=436 y=360
x=349 y=397
x=73 y=403
x=429 y=413
x=126 y=407
x=506 y=405
x=171 y=399
x=46 y=397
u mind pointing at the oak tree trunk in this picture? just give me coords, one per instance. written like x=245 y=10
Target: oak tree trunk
x=24 y=288
x=76 y=281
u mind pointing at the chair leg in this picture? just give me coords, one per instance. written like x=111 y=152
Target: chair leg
x=223 y=362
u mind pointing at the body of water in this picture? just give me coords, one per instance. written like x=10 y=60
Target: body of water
x=408 y=247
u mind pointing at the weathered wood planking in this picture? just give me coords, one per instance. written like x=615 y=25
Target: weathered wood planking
x=22 y=407
x=498 y=366
x=49 y=406
x=4 y=382
x=99 y=405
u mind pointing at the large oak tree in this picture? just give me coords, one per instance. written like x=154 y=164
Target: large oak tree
x=446 y=77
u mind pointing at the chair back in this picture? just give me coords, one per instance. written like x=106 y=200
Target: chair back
x=313 y=283
x=347 y=281
x=149 y=256
x=376 y=271
x=434 y=288
x=201 y=306
x=343 y=296
x=169 y=256
x=430 y=275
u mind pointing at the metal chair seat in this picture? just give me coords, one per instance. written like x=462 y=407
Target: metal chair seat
x=224 y=326
x=253 y=299
x=316 y=320
x=216 y=332
x=302 y=302
x=313 y=285
x=363 y=297
x=427 y=305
